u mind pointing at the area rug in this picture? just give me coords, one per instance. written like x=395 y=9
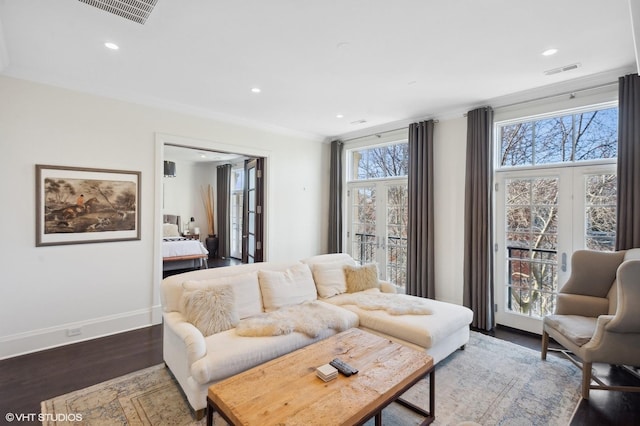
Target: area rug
x=491 y=382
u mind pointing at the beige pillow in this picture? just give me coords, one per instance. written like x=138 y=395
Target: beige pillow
x=290 y=287
x=210 y=309
x=329 y=278
x=361 y=278
x=246 y=289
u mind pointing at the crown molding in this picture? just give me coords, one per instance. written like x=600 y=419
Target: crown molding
x=163 y=104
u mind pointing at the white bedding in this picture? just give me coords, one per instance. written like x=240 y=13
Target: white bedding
x=178 y=246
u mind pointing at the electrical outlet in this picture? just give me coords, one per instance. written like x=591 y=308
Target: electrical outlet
x=74 y=332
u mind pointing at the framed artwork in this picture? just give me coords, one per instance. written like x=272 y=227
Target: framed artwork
x=76 y=205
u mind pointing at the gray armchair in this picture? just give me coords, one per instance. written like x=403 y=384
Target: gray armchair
x=597 y=315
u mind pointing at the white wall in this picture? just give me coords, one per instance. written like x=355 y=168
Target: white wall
x=450 y=139
x=178 y=193
x=181 y=194
x=106 y=288
x=449 y=152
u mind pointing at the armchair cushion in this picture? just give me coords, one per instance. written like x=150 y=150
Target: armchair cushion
x=578 y=329
x=578 y=304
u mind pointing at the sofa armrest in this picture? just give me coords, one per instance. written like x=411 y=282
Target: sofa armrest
x=387 y=287
x=187 y=334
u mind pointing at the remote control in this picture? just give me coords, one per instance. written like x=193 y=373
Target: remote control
x=343 y=367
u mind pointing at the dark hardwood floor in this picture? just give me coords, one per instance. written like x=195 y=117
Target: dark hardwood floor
x=27 y=380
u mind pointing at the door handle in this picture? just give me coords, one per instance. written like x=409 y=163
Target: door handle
x=563 y=267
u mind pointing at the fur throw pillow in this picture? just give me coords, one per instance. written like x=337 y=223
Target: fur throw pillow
x=211 y=309
x=361 y=278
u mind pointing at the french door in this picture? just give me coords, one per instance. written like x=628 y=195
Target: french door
x=542 y=216
x=253 y=220
x=377 y=231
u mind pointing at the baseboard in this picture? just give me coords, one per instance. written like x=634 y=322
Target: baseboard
x=51 y=337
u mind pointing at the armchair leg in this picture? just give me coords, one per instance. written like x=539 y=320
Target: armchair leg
x=586 y=379
x=545 y=345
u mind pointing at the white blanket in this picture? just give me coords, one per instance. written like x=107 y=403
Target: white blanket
x=392 y=303
x=182 y=247
x=310 y=318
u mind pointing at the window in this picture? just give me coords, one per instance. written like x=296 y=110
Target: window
x=380 y=162
x=377 y=200
x=555 y=193
x=583 y=136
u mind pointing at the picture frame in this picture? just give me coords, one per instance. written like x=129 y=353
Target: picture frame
x=78 y=205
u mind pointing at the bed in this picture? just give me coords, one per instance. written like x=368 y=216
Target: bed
x=179 y=252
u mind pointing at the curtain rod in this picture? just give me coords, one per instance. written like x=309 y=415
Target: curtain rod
x=541 y=98
x=378 y=134
x=571 y=93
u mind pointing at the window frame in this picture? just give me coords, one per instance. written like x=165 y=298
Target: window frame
x=497 y=151
x=349 y=169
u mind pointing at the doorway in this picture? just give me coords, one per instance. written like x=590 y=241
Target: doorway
x=244 y=201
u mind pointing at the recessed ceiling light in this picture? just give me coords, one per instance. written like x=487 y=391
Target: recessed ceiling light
x=111 y=46
x=550 y=52
x=339 y=116
x=256 y=90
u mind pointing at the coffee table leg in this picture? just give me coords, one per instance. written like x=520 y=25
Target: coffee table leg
x=209 y=413
x=432 y=395
x=430 y=414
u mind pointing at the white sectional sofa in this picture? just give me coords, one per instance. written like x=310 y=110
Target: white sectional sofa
x=221 y=321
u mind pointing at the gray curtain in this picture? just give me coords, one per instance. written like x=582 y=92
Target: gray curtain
x=335 y=198
x=628 y=220
x=223 y=191
x=420 y=244
x=478 y=256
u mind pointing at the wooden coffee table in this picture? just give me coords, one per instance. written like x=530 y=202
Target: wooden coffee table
x=286 y=390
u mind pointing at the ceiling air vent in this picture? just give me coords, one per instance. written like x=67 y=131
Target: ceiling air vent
x=562 y=69
x=133 y=10
x=358 y=122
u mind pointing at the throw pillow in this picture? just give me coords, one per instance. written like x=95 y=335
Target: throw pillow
x=211 y=309
x=329 y=278
x=248 y=300
x=290 y=287
x=361 y=278
x=170 y=230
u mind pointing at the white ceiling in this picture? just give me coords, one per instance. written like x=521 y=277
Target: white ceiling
x=374 y=60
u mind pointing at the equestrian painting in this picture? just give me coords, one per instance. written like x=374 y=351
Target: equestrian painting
x=77 y=205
